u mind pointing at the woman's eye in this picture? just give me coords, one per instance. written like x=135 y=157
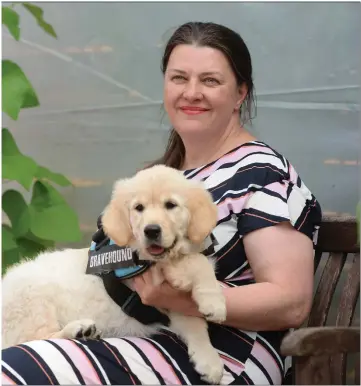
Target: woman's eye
x=139 y=208
x=178 y=78
x=170 y=204
x=211 y=81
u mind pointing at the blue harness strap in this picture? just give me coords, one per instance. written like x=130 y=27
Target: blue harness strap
x=113 y=264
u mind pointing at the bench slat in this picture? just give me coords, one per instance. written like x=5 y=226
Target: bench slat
x=338 y=234
x=345 y=312
x=326 y=288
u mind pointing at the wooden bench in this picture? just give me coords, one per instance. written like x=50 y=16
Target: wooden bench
x=321 y=349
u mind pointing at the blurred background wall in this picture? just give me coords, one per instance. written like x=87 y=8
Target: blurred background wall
x=100 y=89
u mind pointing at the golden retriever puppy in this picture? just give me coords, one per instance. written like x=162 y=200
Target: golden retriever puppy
x=165 y=218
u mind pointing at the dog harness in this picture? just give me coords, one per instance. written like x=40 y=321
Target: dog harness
x=113 y=264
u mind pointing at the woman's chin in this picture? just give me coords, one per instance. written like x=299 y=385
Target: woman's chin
x=192 y=127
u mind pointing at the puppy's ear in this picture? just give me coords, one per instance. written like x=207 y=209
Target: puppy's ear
x=203 y=214
x=115 y=219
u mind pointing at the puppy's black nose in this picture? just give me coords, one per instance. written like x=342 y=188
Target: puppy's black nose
x=152 y=231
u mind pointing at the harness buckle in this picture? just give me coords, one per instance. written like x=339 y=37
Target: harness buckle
x=131 y=303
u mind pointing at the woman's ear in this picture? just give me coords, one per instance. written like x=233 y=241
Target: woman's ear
x=242 y=93
x=115 y=218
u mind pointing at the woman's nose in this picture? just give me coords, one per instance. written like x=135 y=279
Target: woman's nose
x=192 y=91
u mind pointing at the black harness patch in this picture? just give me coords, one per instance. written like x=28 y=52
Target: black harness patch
x=113 y=264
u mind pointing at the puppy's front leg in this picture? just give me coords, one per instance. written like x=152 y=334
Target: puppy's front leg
x=196 y=273
x=194 y=332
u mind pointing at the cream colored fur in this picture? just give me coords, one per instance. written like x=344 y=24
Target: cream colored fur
x=51 y=296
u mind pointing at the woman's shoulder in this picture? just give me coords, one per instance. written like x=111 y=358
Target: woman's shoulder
x=260 y=186
x=252 y=163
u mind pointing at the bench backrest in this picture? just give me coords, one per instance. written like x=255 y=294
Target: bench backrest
x=337 y=264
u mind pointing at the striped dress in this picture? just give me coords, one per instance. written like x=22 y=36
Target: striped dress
x=254 y=187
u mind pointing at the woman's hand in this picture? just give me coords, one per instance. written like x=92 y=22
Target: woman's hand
x=164 y=295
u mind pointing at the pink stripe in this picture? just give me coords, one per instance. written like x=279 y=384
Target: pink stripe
x=157 y=360
x=293 y=174
x=279 y=188
x=233 y=365
x=231 y=204
x=235 y=156
x=5 y=380
x=242 y=277
x=268 y=362
x=80 y=360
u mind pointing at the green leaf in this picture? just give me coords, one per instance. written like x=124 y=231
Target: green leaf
x=16 y=166
x=11 y=19
x=45 y=173
x=16 y=208
x=51 y=217
x=8 y=238
x=9 y=258
x=46 y=243
x=38 y=13
x=17 y=92
x=30 y=248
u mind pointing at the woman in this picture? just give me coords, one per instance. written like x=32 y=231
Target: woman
x=267 y=223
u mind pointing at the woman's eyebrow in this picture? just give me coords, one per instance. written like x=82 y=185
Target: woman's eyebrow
x=203 y=73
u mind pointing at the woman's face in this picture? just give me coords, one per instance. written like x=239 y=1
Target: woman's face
x=200 y=90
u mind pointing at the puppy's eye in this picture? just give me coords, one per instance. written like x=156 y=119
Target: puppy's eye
x=170 y=204
x=139 y=208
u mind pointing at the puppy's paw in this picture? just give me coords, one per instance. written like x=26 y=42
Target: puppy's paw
x=213 y=308
x=81 y=329
x=181 y=283
x=208 y=365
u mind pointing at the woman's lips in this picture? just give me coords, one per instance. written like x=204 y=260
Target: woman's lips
x=191 y=110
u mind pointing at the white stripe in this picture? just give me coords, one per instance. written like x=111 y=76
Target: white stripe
x=255 y=373
x=238 y=192
x=13 y=372
x=236 y=271
x=259 y=337
x=268 y=204
x=224 y=233
x=222 y=175
x=174 y=363
x=95 y=360
x=296 y=204
x=195 y=171
x=135 y=361
x=55 y=360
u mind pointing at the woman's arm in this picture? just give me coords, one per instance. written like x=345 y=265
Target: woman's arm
x=281 y=259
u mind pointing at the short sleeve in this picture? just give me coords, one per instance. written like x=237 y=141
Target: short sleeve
x=278 y=202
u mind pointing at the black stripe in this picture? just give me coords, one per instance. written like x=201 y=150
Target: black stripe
x=171 y=348
x=11 y=376
x=261 y=367
x=82 y=344
x=67 y=358
x=147 y=361
x=254 y=189
x=129 y=373
x=245 y=145
x=247 y=379
x=273 y=339
x=43 y=364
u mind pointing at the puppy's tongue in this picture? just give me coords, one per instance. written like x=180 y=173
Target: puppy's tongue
x=155 y=250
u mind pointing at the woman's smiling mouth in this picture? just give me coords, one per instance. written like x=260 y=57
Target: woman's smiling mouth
x=193 y=110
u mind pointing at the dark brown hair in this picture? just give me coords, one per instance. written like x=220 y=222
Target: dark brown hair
x=235 y=50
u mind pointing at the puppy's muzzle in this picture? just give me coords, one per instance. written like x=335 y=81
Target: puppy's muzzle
x=153 y=232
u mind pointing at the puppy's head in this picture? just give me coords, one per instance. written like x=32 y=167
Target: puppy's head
x=157 y=211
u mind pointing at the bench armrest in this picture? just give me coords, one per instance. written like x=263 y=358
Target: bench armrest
x=312 y=341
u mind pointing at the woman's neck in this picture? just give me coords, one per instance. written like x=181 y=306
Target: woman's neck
x=202 y=151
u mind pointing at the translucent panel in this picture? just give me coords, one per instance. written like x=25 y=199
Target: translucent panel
x=100 y=89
